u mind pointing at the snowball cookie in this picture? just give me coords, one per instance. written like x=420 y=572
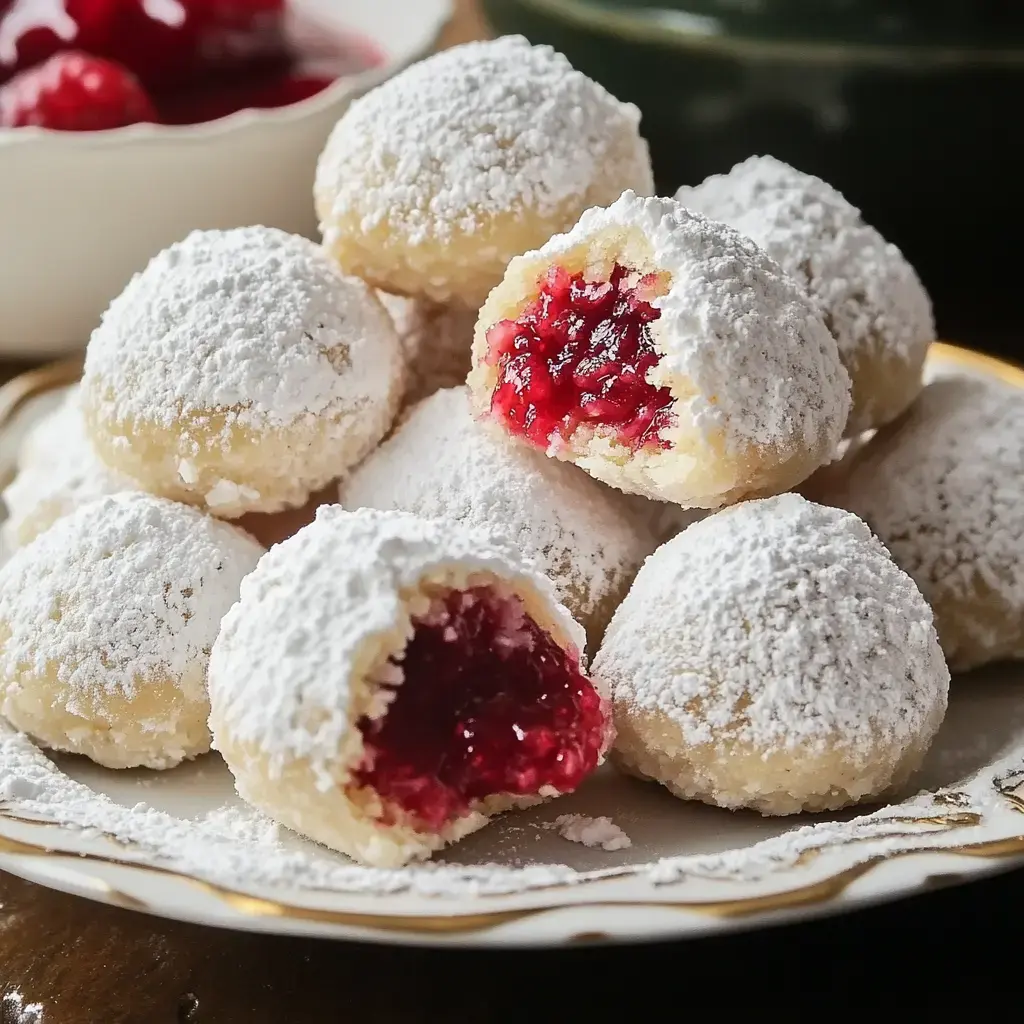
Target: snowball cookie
x=772 y=656
x=430 y=183
x=943 y=488
x=106 y=625
x=436 y=340
x=663 y=353
x=870 y=297
x=441 y=463
x=386 y=684
x=46 y=441
x=240 y=372
x=58 y=473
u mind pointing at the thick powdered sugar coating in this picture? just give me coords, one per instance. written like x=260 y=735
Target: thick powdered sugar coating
x=328 y=606
x=944 y=488
x=867 y=291
x=39 y=495
x=781 y=624
x=57 y=435
x=436 y=341
x=477 y=130
x=252 y=322
x=760 y=365
x=441 y=463
x=126 y=589
x=58 y=472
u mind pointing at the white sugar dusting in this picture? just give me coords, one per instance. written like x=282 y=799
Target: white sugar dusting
x=781 y=624
x=58 y=473
x=944 y=488
x=475 y=132
x=442 y=463
x=436 y=341
x=759 y=363
x=601 y=831
x=865 y=288
x=126 y=588
x=308 y=627
x=253 y=324
x=57 y=435
x=238 y=847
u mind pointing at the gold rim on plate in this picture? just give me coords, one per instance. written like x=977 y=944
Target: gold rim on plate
x=20 y=390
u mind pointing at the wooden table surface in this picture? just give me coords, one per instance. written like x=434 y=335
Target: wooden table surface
x=65 y=960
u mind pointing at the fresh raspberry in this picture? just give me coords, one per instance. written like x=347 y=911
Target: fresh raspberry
x=165 y=43
x=74 y=92
x=33 y=30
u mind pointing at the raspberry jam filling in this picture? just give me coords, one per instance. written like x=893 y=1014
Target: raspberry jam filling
x=579 y=353
x=488 y=703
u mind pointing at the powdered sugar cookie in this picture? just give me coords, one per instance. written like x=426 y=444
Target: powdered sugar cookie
x=437 y=342
x=58 y=473
x=106 y=625
x=240 y=372
x=872 y=300
x=430 y=183
x=943 y=488
x=46 y=441
x=663 y=353
x=773 y=656
x=441 y=463
x=386 y=684
x=36 y=498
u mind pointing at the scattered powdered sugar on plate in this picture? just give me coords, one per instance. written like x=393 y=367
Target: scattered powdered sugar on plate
x=238 y=847
x=601 y=831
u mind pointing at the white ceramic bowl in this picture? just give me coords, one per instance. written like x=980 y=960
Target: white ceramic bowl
x=80 y=213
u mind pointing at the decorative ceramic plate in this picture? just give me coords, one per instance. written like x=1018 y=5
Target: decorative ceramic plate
x=182 y=845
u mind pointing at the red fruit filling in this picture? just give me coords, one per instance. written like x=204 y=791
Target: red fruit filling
x=198 y=59
x=579 y=354
x=488 y=703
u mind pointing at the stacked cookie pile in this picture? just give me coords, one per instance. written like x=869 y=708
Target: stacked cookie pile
x=514 y=409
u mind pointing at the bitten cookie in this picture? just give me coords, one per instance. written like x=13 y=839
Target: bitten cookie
x=664 y=354
x=386 y=684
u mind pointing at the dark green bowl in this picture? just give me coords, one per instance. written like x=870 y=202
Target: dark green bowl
x=909 y=107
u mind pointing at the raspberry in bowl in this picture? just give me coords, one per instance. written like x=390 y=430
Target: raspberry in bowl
x=125 y=124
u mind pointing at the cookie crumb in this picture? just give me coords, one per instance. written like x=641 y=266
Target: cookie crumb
x=603 y=832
